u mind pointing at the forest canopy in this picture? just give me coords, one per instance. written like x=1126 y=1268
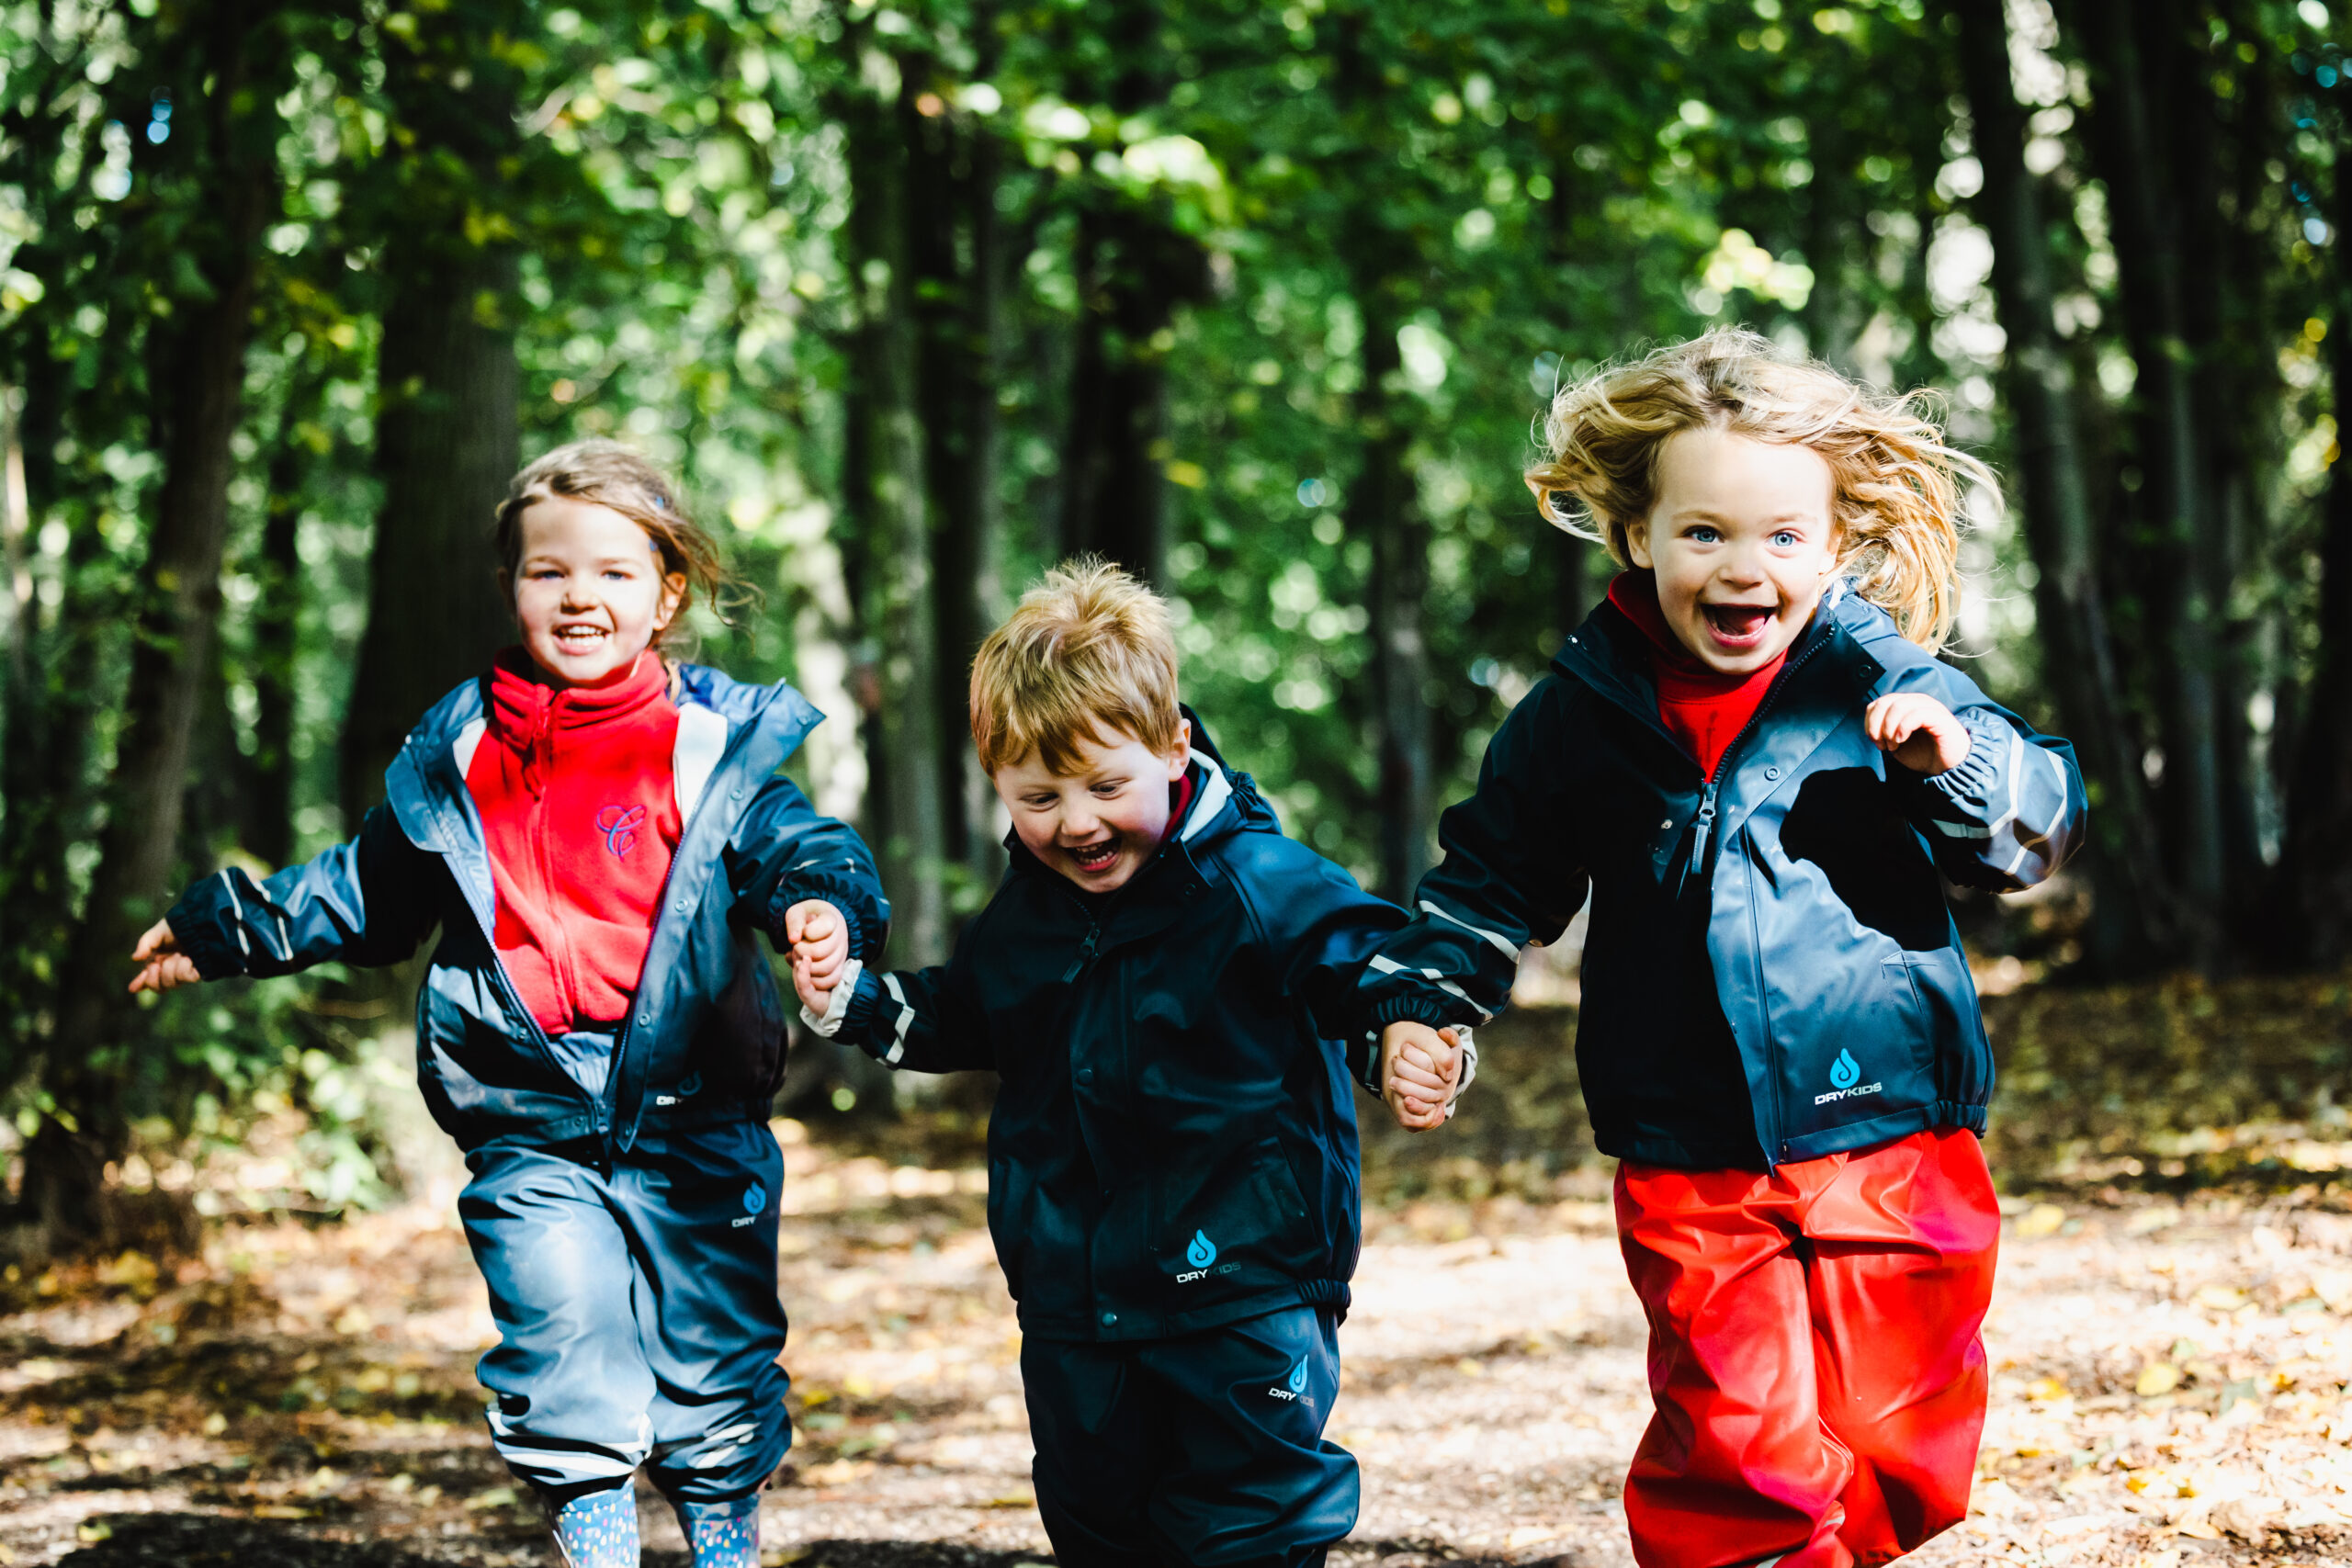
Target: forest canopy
x=1260 y=299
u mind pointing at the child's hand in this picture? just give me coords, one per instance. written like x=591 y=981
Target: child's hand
x=1916 y=731
x=819 y=934
x=1418 y=1067
x=164 y=966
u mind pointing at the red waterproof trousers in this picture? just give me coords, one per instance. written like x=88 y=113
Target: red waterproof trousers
x=1814 y=1353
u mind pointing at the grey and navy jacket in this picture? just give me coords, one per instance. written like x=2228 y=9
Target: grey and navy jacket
x=704 y=1041
x=1173 y=1145
x=1770 y=972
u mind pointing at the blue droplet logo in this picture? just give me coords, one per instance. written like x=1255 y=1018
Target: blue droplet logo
x=1298 y=1377
x=1845 y=1073
x=1202 y=1252
x=755 y=1198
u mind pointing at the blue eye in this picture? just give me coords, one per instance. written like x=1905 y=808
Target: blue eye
x=1788 y=538
x=1704 y=536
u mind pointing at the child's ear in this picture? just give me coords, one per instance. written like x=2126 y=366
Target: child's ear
x=1637 y=544
x=1180 y=757
x=674 y=593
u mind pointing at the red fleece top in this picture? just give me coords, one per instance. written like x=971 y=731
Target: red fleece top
x=1699 y=706
x=578 y=806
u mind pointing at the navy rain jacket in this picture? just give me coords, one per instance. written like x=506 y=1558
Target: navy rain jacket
x=1173 y=1145
x=705 y=1040
x=1771 y=973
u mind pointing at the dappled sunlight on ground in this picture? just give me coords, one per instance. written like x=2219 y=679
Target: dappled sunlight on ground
x=2170 y=1390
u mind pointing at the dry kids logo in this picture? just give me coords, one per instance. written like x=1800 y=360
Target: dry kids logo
x=1293 y=1385
x=1201 y=1253
x=1845 y=1074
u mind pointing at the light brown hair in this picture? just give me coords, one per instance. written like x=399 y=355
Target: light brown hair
x=610 y=475
x=1089 y=655
x=1895 y=483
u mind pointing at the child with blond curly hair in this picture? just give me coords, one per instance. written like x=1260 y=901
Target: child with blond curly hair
x=1751 y=759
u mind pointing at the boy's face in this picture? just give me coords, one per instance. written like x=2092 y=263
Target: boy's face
x=588 y=589
x=1098 y=825
x=1742 y=539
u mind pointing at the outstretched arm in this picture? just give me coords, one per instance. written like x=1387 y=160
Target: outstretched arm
x=785 y=857
x=366 y=902
x=924 y=1020
x=1512 y=873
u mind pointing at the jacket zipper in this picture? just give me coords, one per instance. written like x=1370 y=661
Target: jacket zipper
x=1702 y=826
x=661 y=909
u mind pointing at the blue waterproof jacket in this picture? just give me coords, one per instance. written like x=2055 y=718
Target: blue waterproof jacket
x=704 y=1042
x=1770 y=972
x=1173 y=1145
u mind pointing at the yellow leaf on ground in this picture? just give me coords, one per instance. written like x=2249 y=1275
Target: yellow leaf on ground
x=2155 y=1378
x=2042 y=1219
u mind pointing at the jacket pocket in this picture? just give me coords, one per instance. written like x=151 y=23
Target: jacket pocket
x=745 y=1054
x=1011 y=1197
x=1960 y=1057
x=1236 y=1228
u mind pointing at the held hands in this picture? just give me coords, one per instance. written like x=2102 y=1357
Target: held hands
x=1916 y=731
x=1418 y=1066
x=162 y=963
x=819 y=935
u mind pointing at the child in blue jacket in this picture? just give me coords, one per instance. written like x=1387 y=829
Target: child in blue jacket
x=1751 y=759
x=601 y=837
x=1159 y=980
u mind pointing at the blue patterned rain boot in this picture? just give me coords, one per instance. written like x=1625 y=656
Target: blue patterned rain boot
x=599 y=1529
x=723 y=1535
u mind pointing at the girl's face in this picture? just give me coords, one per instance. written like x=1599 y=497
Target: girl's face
x=588 y=591
x=1099 y=825
x=1742 y=540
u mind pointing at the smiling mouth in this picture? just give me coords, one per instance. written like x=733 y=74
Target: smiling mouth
x=1094 y=857
x=578 y=640
x=1737 y=626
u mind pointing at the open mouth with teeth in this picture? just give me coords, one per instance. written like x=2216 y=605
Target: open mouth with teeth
x=1094 y=857
x=579 y=638
x=1737 y=627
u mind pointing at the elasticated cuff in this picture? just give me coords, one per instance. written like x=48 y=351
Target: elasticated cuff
x=202 y=924
x=867 y=912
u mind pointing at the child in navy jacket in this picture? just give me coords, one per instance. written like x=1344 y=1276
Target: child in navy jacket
x=600 y=836
x=1750 y=759
x=1172 y=1173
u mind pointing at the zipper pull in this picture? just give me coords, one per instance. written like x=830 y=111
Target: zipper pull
x=1699 y=830
x=1085 y=953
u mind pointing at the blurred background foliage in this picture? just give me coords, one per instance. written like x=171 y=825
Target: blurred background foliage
x=1259 y=299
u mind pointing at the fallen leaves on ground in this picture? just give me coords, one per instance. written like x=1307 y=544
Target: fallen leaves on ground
x=2169 y=1389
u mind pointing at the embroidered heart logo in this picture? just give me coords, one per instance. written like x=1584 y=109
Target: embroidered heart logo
x=619 y=825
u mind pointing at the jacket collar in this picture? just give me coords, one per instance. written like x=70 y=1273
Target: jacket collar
x=425 y=786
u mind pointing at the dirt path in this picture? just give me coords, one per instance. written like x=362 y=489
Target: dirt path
x=2171 y=1390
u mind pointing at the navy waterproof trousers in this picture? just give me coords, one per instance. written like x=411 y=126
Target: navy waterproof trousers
x=637 y=1312
x=1205 y=1451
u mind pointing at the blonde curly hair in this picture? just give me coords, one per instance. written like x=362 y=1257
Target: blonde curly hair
x=1896 y=482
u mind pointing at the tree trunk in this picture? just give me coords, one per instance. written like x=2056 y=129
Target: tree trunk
x=447 y=428
x=887 y=496
x=2185 y=647
x=2314 y=909
x=1382 y=509
x=448 y=440
x=268 y=818
x=954 y=177
x=2135 y=903
x=198 y=400
x=1134 y=269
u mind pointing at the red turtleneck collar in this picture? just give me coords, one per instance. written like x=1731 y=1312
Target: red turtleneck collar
x=1703 y=708
x=579 y=814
